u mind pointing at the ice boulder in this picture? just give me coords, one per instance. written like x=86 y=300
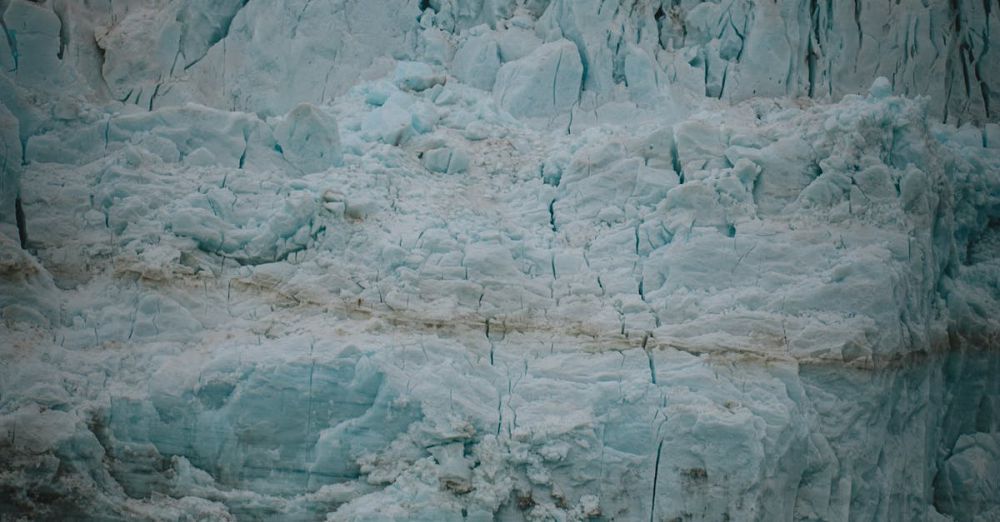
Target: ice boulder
x=641 y=76
x=964 y=487
x=881 y=88
x=417 y=76
x=477 y=61
x=140 y=50
x=700 y=145
x=544 y=83
x=309 y=139
x=399 y=117
x=518 y=40
x=446 y=160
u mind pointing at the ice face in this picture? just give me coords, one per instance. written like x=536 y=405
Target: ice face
x=544 y=83
x=499 y=260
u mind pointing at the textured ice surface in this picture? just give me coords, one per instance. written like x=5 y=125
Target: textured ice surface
x=544 y=83
x=512 y=260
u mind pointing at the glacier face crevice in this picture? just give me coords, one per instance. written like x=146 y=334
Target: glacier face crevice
x=499 y=259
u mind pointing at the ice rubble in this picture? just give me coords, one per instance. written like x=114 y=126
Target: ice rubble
x=460 y=260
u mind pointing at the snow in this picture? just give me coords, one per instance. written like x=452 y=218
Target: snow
x=499 y=260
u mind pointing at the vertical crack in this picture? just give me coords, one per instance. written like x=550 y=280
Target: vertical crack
x=499 y=413
x=295 y=28
x=965 y=55
x=637 y=238
x=656 y=478
x=649 y=356
x=552 y=214
x=725 y=75
x=984 y=88
x=22 y=227
x=857 y=22
x=492 y=344
x=812 y=50
x=156 y=92
x=11 y=43
x=950 y=62
x=555 y=80
x=63 y=31
x=659 y=16
x=675 y=159
x=246 y=145
x=309 y=412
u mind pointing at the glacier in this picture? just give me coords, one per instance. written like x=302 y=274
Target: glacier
x=476 y=260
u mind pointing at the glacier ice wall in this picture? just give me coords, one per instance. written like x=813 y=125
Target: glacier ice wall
x=264 y=57
x=499 y=259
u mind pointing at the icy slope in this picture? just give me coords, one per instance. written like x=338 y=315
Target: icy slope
x=498 y=260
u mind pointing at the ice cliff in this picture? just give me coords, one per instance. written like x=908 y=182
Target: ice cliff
x=499 y=260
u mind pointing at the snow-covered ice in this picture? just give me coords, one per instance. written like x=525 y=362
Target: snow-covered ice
x=499 y=260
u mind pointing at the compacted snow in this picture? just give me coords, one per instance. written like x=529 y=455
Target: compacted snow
x=499 y=260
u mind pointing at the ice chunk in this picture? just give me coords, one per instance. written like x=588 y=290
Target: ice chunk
x=477 y=61
x=436 y=46
x=200 y=157
x=544 y=83
x=162 y=317
x=641 y=75
x=966 y=488
x=699 y=145
x=33 y=41
x=139 y=51
x=446 y=159
x=309 y=139
x=881 y=88
x=399 y=118
x=516 y=42
x=417 y=76
x=786 y=168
